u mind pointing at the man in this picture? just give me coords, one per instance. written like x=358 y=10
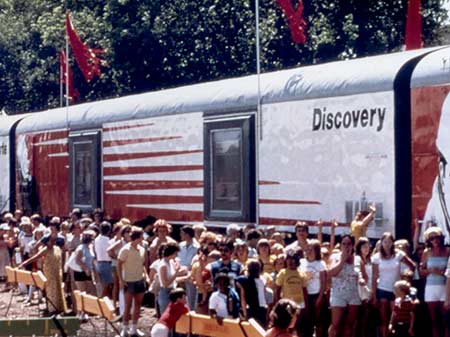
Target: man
x=103 y=259
x=437 y=211
x=225 y=264
x=132 y=278
x=188 y=249
x=253 y=237
x=301 y=231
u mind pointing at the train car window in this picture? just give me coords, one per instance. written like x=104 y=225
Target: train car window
x=229 y=169
x=85 y=170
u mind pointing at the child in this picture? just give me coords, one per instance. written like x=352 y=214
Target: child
x=176 y=308
x=283 y=318
x=225 y=302
x=402 y=319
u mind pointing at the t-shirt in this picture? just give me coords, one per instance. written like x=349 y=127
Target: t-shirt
x=403 y=309
x=218 y=302
x=389 y=270
x=173 y=313
x=134 y=259
x=233 y=269
x=101 y=244
x=312 y=272
x=292 y=283
x=170 y=271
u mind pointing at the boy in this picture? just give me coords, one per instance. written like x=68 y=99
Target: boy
x=176 y=308
x=402 y=319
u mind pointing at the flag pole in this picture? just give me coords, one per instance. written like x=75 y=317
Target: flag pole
x=67 y=78
x=258 y=119
x=61 y=85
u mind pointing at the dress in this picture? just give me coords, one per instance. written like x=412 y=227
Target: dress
x=53 y=272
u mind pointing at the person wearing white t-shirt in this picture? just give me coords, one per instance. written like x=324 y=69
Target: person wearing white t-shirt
x=315 y=270
x=385 y=272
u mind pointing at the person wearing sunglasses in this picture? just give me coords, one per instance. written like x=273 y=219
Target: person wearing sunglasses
x=225 y=264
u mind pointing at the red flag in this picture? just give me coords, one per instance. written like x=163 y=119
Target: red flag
x=87 y=58
x=72 y=92
x=413 y=36
x=297 y=24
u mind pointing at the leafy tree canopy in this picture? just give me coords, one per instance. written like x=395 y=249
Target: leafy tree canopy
x=154 y=44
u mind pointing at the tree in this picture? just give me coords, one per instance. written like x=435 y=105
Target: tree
x=153 y=44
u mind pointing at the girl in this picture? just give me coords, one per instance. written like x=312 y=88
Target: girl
x=386 y=271
x=283 y=317
x=432 y=266
x=344 y=298
x=315 y=270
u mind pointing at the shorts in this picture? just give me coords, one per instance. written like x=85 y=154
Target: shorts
x=343 y=299
x=159 y=330
x=81 y=276
x=105 y=272
x=385 y=295
x=435 y=293
x=138 y=287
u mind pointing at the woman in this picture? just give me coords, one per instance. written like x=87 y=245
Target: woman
x=132 y=278
x=385 y=272
x=84 y=258
x=241 y=252
x=283 y=317
x=169 y=273
x=123 y=236
x=52 y=257
x=432 y=266
x=252 y=293
x=316 y=278
x=265 y=255
x=161 y=229
x=344 y=299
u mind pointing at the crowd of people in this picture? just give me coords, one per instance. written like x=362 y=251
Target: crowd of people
x=345 y=286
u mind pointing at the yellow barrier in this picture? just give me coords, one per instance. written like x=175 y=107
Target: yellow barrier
x=36 y=279
x=206 y=326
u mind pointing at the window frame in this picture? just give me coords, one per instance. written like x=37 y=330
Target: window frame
x=94 y=139
x=245 y=124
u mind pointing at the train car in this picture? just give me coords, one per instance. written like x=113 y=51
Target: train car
x=329 y=140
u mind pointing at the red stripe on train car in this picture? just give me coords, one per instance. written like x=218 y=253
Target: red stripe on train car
x=114 y=171
x=289 y=202
x=127 y=127
x=171 y=215
x=43 y=136
x=154 y=199
x=110 y=143
x=139 y=155
x=291 y=222
x=268 y=182
x=151 y=184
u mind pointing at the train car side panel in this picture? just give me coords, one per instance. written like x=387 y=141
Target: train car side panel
x=154 y=167
x=328 y=158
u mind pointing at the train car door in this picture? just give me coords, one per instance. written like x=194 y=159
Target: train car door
x=85 y=174
x=229 y=163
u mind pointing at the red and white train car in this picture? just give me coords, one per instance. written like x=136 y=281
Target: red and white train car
x=329 y=140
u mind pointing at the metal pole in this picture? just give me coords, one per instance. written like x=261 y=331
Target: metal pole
x=258 y=123
x=67 y=80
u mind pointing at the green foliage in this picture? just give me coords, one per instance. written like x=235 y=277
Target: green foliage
x=154 y=44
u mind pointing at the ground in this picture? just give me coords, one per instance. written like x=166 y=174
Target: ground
x=94 y=326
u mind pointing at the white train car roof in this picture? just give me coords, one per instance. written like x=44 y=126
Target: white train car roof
x=432 y=69
x=369 y=74
x=7 y=122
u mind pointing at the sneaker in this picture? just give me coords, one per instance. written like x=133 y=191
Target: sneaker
x=124 y=333
x=137 y=333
